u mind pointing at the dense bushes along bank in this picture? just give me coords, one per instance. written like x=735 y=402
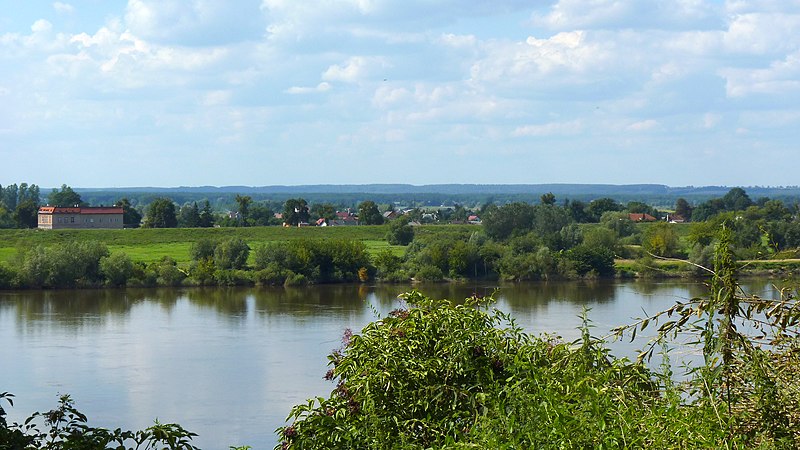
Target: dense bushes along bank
x=250 y=256
x=296 y=262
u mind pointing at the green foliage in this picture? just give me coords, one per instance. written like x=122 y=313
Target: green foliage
x=160 y=214
x=116 y=268
x=600 y=206
x=8 y=277
x=388 y=266
x=243 y=210
x=447 y=375
x=65 y=197
x=206 y=216
x=189 y=216
x=317 y=261
x=400 y=232
x=369 y=214
x=600 y=237
x=751 y=354
x=661 y=239
x=66 y=428
x=63 y=265
x=295 y=211
x=131 y=217
x=501 y=222
x=429 y=272
x=26 y=214
x=619 y=222
x=167 y=272
x=231 y=253
x=587 y=260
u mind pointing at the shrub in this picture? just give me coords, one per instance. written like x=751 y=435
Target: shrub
x=202 y=271
x=318 y=261
x=231 y=254
x=429 y=273
x=63 y=265
x=202 y=249
x=431 y=375
x=117 y=268
x=231 y=277
x=295 y=279
x=271 y=275
x=8 y=277
x=400 y=232
x=587 y=259
x=67 y=428
x=168 y=272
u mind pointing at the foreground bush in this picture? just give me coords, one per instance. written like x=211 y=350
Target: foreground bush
x=439 y=374
x=66 y=428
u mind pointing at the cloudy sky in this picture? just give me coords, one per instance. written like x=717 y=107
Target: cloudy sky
x=102 y=93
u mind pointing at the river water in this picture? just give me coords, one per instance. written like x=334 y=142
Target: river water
x=229 y=364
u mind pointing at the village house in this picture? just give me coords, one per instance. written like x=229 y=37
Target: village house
x=641 y=217
x=56 y=217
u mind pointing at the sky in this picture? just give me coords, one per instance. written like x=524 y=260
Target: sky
x=113 y=93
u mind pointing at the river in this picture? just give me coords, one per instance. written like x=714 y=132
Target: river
x=229 y=364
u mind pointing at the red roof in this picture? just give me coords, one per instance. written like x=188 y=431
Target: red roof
x=81 y=210
x=641 y=217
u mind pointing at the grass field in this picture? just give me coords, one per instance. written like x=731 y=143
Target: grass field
x=148 y=244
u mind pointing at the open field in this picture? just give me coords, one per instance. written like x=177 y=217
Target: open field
x=150 y=244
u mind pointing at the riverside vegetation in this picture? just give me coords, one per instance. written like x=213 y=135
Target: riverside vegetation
x=516 y=241
x=442 y=374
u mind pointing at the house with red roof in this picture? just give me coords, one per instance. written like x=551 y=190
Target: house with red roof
x=641 y=217
x=57 y=217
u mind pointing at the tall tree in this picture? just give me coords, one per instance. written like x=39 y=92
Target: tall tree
x=295 y=211
x=368 y=213
x=501 y=222
x=65 y=197
x=548 y=199
x=683 y=209
x=160 y=214
x=27 y=192
x=26 y=215
x=323 y=211
x=206 y=216
x=131 y=217
x=10 y=196
x=189 y=216
x=597 y=207
x=244 y=202
x=736 y=200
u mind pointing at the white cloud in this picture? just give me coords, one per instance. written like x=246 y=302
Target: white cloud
x=562 y=58
x=195 y=23
x=644 y=125
x=321 y=87
x=760 y=34
x=780 y=78
x=355 y=69
x=550 y=129
x=641 y=14
x=63 y=8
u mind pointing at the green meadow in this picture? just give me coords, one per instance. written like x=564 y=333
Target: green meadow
x=151 y=244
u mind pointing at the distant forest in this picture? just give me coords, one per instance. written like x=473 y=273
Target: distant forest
x=469 y=195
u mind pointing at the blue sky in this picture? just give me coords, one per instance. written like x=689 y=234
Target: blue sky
x=111 y=93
